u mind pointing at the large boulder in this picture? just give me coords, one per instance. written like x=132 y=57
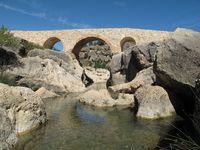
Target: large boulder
x=37 y=72
x=97 y=75
x=133 y=60
x=99 y=98
x=178 y=64
x=102 y=98
x=25 y=108
x=65 y=60
x=153 y=102
x=8 y=137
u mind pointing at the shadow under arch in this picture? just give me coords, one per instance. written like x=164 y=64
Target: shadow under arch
x=50 y=42
x=83 y=41
x=127 y=42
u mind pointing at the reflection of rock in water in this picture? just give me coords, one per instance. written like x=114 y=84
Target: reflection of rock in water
x=87 y=115
x=26 y=141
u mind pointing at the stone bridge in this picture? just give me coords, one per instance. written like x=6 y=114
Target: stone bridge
x=73 y=40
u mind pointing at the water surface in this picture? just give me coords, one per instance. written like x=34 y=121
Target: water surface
x=73 y=126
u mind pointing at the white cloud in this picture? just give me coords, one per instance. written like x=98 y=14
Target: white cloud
x=43 y=15
x=34 y=14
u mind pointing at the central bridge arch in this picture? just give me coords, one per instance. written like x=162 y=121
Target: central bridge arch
x=84 y=40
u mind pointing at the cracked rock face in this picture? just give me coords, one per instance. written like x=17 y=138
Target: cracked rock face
x=24 y=107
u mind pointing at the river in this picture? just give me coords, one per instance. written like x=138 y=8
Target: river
x=74 y=126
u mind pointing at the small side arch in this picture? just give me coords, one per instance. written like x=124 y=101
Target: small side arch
x=50 y=42
x=127 y=42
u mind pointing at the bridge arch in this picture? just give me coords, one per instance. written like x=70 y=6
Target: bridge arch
x=127 y=42
x=84 y=40
x=50 y=42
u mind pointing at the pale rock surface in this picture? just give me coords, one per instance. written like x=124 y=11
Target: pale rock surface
x=44 y=93
x=153 y=102
x=97 y=75
x=65 y=60
x=37 y=72
x=99 y=98
x=144 y=77
x=102 y=98
x=25 y=108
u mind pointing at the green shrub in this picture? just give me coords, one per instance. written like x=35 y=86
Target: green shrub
x=8 y=39
x=28 y=46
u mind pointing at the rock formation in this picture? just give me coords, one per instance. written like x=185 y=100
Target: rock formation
x=37 y=72
x=178 y=64
x=24 y=107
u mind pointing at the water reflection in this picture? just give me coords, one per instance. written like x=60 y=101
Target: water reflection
x=86 y=115
x=73 y=126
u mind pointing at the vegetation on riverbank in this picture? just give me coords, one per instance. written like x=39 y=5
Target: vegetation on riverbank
x=14 y=45
x=21 y=46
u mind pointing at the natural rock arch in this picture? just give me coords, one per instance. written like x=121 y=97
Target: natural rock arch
x=127 y=42
x=76 y=49
x=50 y=42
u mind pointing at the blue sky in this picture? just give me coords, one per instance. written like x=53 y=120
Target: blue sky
x=73 y=14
